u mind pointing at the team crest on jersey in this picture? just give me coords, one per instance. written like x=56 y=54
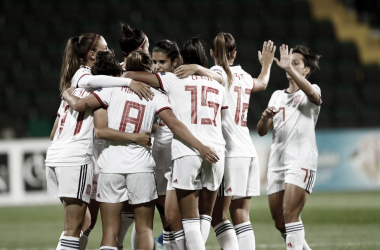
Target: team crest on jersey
x=296 y=100
x=88 y=190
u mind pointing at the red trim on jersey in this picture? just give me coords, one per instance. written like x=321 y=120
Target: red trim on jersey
x=100 y=100
x=224 y=107
x=163 y=109
x=58 y=114
x=81 y=78
x=159 y=81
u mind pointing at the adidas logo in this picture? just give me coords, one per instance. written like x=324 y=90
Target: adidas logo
x=290 y=245
x=175 y=181
x=229 y=189
x=98 y=195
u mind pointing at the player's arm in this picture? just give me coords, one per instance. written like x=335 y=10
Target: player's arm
x=266 y=122
x=184 y=71
x=286 y=64
x=80 y=104
x=145 y=77
x=266 y=60
x=98 y=81
x=102 y=131
x=180 y=130
x=55 y=126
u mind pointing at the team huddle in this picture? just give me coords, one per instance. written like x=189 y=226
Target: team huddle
x=201 y=163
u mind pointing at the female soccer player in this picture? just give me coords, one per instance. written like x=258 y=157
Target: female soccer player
x=293 y=114
x=241 y=173
x=197 y=101
x=68 y=160
x=137 y=115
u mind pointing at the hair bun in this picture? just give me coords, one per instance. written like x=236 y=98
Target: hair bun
x=126 y=30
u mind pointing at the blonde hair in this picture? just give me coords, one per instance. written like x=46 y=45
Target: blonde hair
x=139 y=61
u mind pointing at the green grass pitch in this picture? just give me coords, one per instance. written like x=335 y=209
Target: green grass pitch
x=332 y=221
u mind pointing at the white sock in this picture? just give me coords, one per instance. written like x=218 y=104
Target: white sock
x=205 y=226
x=126 y=221
x=83 y=240
x=169 y=241
x=225 y=235
x=59 y=241
x=180 y=239
x=69 y=243
x=134 y=238
x=193 y=235
x=305 y=245
x=245 y=236
x=295 y=235
x=108 y=248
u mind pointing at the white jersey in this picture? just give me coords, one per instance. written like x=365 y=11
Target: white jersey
x=235 y=130
x=294 y=144
x=127 y=113
x=73 y=139
x=197 y=102
x=162 y=145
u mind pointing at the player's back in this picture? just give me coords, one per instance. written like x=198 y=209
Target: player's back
x=197 y=102
x=127 y=113
x=73 y=139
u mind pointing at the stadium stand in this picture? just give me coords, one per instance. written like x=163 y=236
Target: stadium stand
x=33 y=34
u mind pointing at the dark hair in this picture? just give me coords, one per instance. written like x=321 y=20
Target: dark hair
x=193 y=52
x=169 y=48
x=223 y=47
x=309 y=59
x=131 y=39
x=139 y=61
x=75 y=55
x=106 y=64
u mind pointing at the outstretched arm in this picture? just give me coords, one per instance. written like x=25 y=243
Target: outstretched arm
x=145 y=77
x=266 y=60
x=184 y=71
x=286 y=64
x=180 y=130
x=80 y=104
x=102 y=131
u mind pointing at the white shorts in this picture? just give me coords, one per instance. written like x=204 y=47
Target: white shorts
x=161 y=180
x=95 y=179
x=241 y=177
x=302 y=177
x=168 y=177
x=137 y=188
x=73 y=182
x=194 y=173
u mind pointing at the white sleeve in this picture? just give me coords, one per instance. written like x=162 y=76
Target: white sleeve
x=273 y=99
x=221 y=72
x=103 y=96
x=101 y=81
x=61 y=109
x=166 y=80
x=162 y=103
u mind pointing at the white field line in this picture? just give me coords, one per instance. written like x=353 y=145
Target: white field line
x=260 y=246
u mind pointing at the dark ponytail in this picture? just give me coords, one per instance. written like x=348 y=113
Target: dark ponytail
x=223 y=48
x=131 y=39
x=75 y=55
x=193 y=52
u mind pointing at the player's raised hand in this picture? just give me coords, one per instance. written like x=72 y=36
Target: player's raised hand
x=284 y=62
x=67 y=92
x=269 y=113
x=184 y=71
x=143 y=139
x=209 y=154
x=267 y=54
x=142 y=90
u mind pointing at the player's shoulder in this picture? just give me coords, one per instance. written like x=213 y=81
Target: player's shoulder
x=82 y=71
x=316 y=86
x=217 y=68
x=166 y=74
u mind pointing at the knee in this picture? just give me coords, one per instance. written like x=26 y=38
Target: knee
x=289 y=215
x=239 y=216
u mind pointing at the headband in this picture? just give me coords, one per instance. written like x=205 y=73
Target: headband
x=96 y=37
x=126 y=53
x=233 y=50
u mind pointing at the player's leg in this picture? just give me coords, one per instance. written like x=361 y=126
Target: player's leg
x=239 y=210
x=144 y=214
x=111 y=220
x=160 y=205
x=211 y=176
x=186 y=179
x=174 y=218
x=299 y=183
x=83 y=240
x=127 y=219
x=245 y=183
x=225 y=233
